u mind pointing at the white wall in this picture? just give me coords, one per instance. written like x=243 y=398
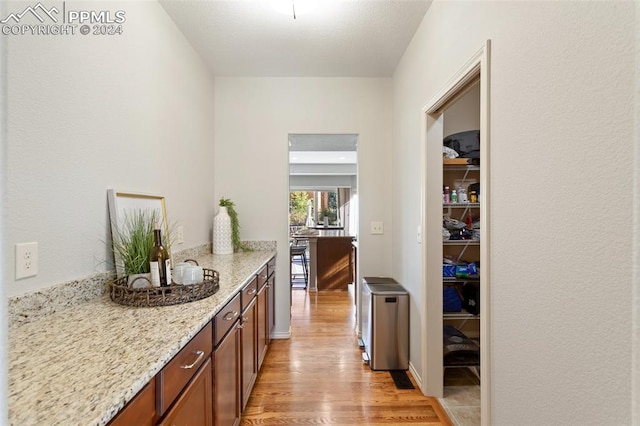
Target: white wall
x=301 y=182
x=635 y=371
x=87 y=113
x=4 y=380
x=561 y=168
x=464 y=114
x=253 y=119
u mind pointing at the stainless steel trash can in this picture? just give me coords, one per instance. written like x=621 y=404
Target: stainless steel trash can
x=385 y=324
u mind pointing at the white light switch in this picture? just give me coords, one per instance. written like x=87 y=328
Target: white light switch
x=377 y=228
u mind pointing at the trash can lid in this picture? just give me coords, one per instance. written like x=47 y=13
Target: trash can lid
x=387 y=289
x=379 y=280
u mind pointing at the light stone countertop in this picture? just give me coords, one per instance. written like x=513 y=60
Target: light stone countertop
x=327 y=233
x=81 y=364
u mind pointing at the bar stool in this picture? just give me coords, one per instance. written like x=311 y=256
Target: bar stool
x=299 y=251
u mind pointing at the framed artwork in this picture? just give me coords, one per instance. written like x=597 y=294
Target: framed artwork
x=123 y=204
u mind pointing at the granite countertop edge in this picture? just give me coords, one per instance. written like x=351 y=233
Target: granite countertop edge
x=82 y=364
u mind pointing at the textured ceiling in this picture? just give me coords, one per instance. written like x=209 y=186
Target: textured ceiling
x=339 y=38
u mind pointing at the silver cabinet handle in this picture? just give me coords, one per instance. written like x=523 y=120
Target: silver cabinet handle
x=200 y=355
x=243 y=322
x=251 y=291
x=230 y=316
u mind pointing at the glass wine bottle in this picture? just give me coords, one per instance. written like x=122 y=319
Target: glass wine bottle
x=159 y=262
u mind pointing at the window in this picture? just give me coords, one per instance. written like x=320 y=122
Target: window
x=303 y=211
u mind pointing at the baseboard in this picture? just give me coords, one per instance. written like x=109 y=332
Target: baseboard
x=440 y=408
x=415 y=375
x=281 y=335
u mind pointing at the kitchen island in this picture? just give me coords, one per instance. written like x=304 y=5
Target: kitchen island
x=82 y=363
x=331 y=259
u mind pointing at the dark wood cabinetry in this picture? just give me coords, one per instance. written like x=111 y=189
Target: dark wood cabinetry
x=271 y=297
x=179 y=371
x=141 y=410
x=249 y=351
x=334 y=263
x=226 y=380
x=180 y=393
x=226 y=367
x=210 y=380
x=195 y=405
x=263 y=330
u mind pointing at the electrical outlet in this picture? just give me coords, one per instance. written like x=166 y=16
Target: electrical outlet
x=179 y=234
x=377 y=228
x=26 y=260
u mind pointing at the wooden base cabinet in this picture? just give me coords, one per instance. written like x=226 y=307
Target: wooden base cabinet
x=209 y=381
x=141 y=410
x=262 y=308
x=195 y=405
x=271 y=297
x=226 y=365
x=226 y=381
x=249 y=351
x=334 y=263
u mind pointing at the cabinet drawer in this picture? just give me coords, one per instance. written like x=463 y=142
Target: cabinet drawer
x=177 y=373
x=195 y=405
x=271 y=266
x=263 y=274
x=226 y=318
x=249 y=293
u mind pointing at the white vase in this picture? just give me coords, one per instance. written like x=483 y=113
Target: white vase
x=222 y=241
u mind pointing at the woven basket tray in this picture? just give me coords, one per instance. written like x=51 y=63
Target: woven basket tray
x=174 y=294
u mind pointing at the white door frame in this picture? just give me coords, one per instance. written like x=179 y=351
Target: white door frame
x=477 y=67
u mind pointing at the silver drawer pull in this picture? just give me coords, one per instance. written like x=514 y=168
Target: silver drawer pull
x=230 y=316
x=200 y=355
x=245 y=319
x=251 y=291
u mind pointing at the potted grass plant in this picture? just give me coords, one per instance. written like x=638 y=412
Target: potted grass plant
x=132 y=243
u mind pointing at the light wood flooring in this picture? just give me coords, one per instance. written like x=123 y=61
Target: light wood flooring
x=318 y=377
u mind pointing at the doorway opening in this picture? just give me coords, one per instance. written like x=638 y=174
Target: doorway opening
x=462 y=246
x=323 y=202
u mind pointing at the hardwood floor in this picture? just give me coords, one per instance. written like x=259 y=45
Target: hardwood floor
x=318 y=377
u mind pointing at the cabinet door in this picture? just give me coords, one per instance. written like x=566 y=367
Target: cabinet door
x=249 y=351
x=173 y=378
x=141 y=410
x=271 y=296
x=262 y=308
x=194 y=406
x=226 y=380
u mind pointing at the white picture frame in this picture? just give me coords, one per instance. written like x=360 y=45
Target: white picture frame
x=122 y=202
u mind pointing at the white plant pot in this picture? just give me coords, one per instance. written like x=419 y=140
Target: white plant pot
x=222 y=241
